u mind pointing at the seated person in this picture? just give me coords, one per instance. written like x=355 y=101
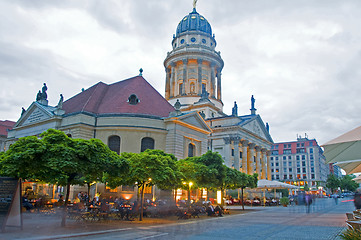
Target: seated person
x=210 y=210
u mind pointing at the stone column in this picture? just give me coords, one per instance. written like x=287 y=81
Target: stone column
x=185 y=62
x=199 y=76
x=167 y=82
x=227 y=151
x=250 y=159
x=258 y=161
x=264 y=160
x=219 y=90
x=213 y=80
x=236 y=154
x=244 y=156
x=172 y=80
x=269 y=166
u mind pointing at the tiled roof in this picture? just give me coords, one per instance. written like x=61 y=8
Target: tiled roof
x=4 y=126
x=113 y=99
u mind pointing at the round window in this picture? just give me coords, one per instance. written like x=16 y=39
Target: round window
x=204 y=41
x=193 y=39
x=182 y=41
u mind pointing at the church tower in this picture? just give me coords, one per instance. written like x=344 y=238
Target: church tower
x=193 y=68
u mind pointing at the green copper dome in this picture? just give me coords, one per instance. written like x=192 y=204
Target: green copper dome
x=194 y=22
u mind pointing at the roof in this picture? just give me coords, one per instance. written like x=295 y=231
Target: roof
x=114 y=99
x=194 y=22
x=5 y=126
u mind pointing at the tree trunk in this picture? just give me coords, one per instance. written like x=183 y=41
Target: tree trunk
x=141 y=202
x=242 y=198
x=63 y=219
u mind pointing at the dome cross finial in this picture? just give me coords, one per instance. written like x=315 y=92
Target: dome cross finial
x=194 y=3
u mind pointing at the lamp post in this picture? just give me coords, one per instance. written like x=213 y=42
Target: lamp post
x=189 y=193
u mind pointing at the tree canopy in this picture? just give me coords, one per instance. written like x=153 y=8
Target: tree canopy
x=56 y=158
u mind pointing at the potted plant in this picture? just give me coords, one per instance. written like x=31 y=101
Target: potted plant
x=284 y=201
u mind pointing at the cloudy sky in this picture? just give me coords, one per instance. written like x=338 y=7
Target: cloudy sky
x=301 y=59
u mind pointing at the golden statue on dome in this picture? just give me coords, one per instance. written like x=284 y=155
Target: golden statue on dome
x=194 y=3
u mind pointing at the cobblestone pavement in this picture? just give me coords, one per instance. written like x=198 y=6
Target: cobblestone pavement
x=325 y=221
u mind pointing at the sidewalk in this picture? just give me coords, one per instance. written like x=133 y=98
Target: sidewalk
x=41 y=226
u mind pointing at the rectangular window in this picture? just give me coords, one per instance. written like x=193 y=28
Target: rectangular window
x=284 y=176
x=298 y=145
x=290 y=169
x=285 y=145
x=271 y=164
x=284 y=157
x=289 y=157
x=275 y=152
x=232 y=152
x=276 y=158
x=298 y=170
x=276 y=164
x=312 y=163
x=289 y=164
x=298 y=176
x=298 y=164
x=297 y=157
x=312 y=169
x=273 y=177
x=277 y=170
x=304 y=170
x=311 y=143
x=313 y=176
x=304 y=176
x=277 y=177
x=271 y=158
x=240 y=154
x=289 y=145
x=272 y=170
x=311 y=150
x=291 y=177
x=285 y=170
x=303 y=157
x=287 y=151
x=303 y=164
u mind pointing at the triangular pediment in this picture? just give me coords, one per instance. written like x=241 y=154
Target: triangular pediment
x=257 y=127
x=34 y=114
x=194 y=120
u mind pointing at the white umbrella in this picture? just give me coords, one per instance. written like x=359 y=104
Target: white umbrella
x=345 y=151
x=263 y=183
x=267 y=184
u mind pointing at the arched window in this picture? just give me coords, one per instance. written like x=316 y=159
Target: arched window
x=114 y=143
x=147 y=143
x=191 y=149
x=180 y=90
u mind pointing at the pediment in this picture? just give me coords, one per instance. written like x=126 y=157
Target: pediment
x=34 y=114
x=257 y=127
x=195 y=120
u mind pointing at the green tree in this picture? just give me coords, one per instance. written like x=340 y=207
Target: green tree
x=245 y=181
x=147 y=169
x=194 y=174
x=58 y=159
x=332 y=182
x=346 y=183
x=215 y=175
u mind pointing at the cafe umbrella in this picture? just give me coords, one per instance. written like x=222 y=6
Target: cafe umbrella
x=345 y=151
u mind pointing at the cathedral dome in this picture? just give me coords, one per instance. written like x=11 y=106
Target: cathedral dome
x=194 y=22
